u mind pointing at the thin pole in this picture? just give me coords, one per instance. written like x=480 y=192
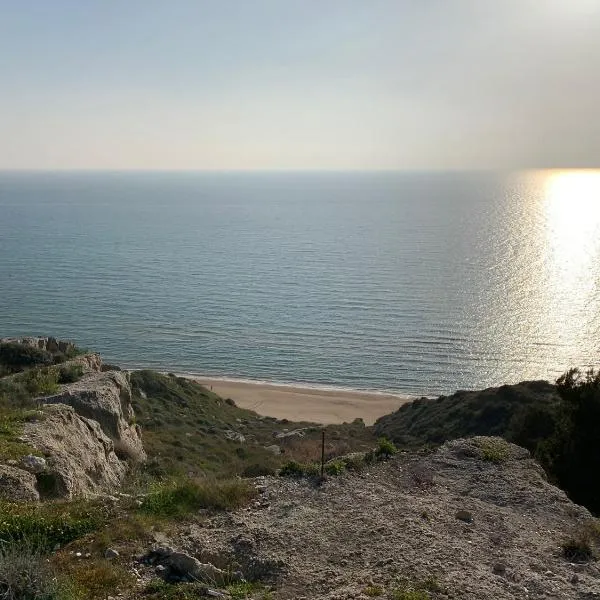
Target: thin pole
x=323 y=454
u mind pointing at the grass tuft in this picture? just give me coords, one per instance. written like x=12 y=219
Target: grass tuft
x=494 y=450
x=178 y=498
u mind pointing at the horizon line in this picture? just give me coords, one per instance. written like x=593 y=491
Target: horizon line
x=92 y=170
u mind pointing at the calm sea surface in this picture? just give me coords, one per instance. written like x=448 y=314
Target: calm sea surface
x=418 y=283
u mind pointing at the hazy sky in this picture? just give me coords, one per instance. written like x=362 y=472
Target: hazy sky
x=299 y=84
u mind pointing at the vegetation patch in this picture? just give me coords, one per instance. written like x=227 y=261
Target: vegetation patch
x=493 y=449
x=373 y=591
x=248 y=589
x=15 y=357
x=583 y=545
x=158 y=589
x=183 y=497
x=26 y=575
x=385 y=448
x=11 y=428
x=48 y=525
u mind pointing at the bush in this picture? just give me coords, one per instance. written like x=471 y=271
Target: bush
x=385 y=448
x=177 y=498
x=70 y=373
x=291 y=469
x=494 y=450
x=571 y=455
x=335 y=467
x=46 y=526
x=581 y=546
x=25 y=575
x=16 y=357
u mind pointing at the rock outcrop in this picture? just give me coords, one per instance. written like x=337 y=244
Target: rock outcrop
x=80 y=458
x=86 y=433
x=49 y=344
x=17 y=484
x=105 y=397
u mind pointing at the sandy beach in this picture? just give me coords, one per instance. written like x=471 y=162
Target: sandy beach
x=304 y=403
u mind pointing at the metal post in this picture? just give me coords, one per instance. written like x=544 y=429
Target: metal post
x=323 y=455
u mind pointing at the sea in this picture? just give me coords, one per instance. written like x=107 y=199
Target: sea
x=418 y=283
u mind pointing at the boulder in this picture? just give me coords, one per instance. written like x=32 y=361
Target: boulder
x=80 y=457
x=105 y=397
x=177 y=566
x=17 y=484
x=33 y=464
x=234 y=436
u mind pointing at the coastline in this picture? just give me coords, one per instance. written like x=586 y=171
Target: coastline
x=305 y=403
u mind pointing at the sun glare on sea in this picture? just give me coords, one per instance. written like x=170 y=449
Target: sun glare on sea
x=572 y=210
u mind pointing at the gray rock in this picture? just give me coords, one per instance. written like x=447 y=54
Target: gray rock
x=288 y=434
x=499 y=568
x=464 y=515
x=111 y=553
x=17 y=484
x=235 y=436
x=178 y=566
x=81 y=460
x=105 y=397
x=33 y=464
x=274 y=449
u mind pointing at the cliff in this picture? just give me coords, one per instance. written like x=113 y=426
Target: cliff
x=80 y=439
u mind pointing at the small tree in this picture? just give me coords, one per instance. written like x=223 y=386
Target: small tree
x=572 y=453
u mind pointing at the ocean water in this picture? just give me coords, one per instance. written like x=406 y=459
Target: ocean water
x=420 y=283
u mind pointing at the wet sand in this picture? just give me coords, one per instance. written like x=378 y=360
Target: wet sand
x=304 y=403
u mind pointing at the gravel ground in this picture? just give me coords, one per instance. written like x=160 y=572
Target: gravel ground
x=448 y=524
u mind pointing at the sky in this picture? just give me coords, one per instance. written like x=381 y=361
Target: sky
x=299 y=84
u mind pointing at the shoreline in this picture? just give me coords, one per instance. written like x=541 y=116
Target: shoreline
x=296 y=402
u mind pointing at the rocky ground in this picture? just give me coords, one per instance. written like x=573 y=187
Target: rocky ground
x=450 y=524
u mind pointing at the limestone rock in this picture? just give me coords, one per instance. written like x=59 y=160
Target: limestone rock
x=110 y=553
x=105 y=397
x=17 y=484
x=33 y=464
x=80 y=458
x=235 y=436
x=177 y=566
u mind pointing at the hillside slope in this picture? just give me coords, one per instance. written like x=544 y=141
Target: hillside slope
x=492 y=411
x=475 y=519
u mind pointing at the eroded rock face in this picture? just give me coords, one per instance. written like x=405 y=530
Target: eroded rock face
x=17 y=484
x=105 y=397
x=80 y=458
x=44 y=343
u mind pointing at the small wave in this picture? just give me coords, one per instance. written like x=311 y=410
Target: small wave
x=297 y=385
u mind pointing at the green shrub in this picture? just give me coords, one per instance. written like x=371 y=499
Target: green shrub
x=21 y=389
x=25 y=575
x=494 y=449
x=335 y=467
x=582 y=545
x=246 y=589
x=17 y=357
x=409 y=594
x=385 y=448
x=177 y=498
x=258 y=470
x=354 y=462
x=373 y=591
x=158 y=589
x=292 y=469
x=69 y=373
x=47 y=525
